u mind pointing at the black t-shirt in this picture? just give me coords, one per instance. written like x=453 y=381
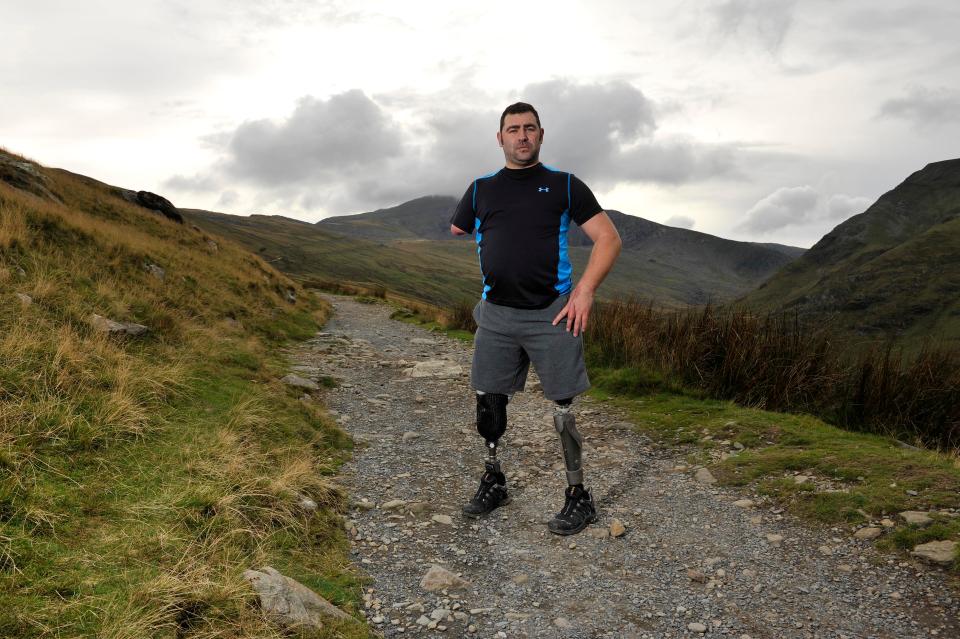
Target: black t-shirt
x=521 y=217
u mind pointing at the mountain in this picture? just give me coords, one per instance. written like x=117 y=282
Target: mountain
x=669 y=265
x=893 y=270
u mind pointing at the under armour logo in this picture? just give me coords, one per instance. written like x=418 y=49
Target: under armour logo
x=543 y=189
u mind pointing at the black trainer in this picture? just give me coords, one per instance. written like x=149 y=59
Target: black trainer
x=578 y=511
x=491 y=494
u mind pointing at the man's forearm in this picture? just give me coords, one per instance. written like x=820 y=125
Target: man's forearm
x=602 y=256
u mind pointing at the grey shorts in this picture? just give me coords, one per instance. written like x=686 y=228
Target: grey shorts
x=508 y=339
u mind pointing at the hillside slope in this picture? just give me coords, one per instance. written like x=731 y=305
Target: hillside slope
x=408 y=249
x=141 y=475
x=727 y=263
x=889 y=271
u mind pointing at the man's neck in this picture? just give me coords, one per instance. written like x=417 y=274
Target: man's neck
x=511 y=165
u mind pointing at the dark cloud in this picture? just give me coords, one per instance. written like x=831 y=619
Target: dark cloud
x=605 y=133
x=321 y=137
x=924 y=108
x=349 y=152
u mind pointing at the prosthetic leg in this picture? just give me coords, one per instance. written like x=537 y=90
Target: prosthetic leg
x=491 y=424
x=578 y=509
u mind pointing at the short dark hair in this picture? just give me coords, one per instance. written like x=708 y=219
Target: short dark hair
x=519 y=107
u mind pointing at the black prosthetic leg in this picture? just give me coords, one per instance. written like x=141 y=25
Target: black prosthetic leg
x=491 y=424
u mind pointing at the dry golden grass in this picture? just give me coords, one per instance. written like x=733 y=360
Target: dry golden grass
x=13 y=228
x=131 y=496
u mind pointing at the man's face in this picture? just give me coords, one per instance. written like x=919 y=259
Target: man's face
x=520 y=139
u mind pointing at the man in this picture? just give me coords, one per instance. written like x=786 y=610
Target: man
x=529 y=309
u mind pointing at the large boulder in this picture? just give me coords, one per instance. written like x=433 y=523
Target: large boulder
x=154 y=202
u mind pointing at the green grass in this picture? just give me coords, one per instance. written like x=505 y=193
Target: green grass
x=140 y=477
x=870 y=474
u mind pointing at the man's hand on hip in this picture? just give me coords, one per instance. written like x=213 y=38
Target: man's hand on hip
x=577 y=310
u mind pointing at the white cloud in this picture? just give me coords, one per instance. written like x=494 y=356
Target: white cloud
x=800 y=206
x=681 y=221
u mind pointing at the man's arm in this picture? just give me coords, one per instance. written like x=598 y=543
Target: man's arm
x=606 y=248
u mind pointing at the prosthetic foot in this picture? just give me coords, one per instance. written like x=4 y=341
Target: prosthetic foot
x=491 y=494
x=578 y=510
x=491 y=424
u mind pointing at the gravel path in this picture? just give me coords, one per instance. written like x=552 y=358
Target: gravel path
x=691 y=562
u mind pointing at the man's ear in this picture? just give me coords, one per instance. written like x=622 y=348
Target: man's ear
x=499 y=139
x=541 y=135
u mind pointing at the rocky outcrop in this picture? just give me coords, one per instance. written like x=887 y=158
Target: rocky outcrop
x=154 y=202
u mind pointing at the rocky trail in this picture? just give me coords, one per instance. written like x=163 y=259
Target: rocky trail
x=672 y=555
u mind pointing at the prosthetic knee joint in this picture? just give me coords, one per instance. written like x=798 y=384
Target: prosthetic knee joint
x=492 y=424
x=571 y=440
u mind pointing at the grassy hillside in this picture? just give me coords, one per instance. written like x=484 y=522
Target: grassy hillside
x=888 y=272
x=397 y=248
x=140 y=476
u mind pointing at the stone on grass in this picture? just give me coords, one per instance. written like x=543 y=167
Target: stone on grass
x=299 y=382
x=156 y=271
x=25 y=299
x=938 y=552
x=916 y=517
x=439 y=578
x=106 y=325
x=870 y=532
x=289 y=601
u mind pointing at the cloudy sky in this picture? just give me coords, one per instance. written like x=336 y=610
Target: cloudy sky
x=766 y=120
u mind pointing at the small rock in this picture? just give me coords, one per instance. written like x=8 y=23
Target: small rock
x=916 y=517
x=938 y=552
x=617 y=529
x=446 y=520
x=409 y=435
x=696 y=575
x=520 y=579
x=825 y=550
x=393 y=504
x=744 y=503
x=870 y=532
x=563 y=623
x=439 y=578
x=25 y=299
x=156 y=271
x=106 y=325
x=289 y=601
x=774 y=539
x=696 y=627
x=704 y=476
x=887 y=523
x=307 y=504
x=299 y=382
x=800 y=479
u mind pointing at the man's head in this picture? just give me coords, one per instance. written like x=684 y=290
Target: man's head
x=520 y=135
